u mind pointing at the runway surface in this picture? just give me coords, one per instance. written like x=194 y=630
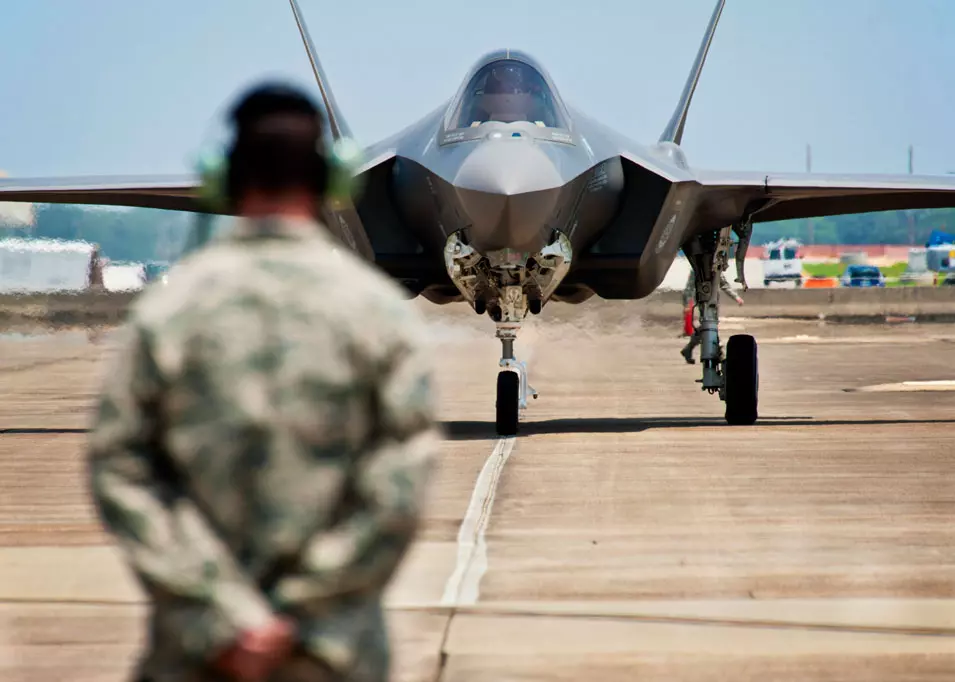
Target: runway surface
x=626 y=534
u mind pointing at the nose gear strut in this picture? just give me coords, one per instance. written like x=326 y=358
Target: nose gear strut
x=513 y=387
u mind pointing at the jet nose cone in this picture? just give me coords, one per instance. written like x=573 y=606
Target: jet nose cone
x=507 y=166
x=509 y=191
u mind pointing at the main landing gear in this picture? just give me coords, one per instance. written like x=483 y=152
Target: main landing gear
x=741 y=380
x=735 y=376
x=513 y=388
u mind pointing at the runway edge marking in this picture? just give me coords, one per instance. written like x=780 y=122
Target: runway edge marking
x=463 y=585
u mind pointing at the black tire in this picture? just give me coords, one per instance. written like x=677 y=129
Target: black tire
x=508 y=388
x=742 y=380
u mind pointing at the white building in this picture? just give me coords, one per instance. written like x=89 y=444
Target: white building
x=46 y=265
x=124 y=276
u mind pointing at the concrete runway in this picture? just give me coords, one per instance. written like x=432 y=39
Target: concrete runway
x=628 y=533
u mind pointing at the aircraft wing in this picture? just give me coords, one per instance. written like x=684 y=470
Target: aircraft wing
x=780 y=196
x=171 y=192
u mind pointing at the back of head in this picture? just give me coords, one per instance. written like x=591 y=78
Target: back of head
x=278 y=145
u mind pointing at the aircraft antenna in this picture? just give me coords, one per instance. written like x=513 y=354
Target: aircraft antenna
x=674 y=130
x=338 y=127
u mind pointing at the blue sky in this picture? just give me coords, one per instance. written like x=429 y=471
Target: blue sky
x=105 y=86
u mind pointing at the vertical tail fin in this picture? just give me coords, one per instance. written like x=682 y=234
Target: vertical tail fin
x=674 y=130
x=336 y=122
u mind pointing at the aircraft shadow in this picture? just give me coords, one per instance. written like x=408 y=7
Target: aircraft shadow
x=484 y=430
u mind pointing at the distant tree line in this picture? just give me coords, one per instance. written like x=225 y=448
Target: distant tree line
x=911 y=228
x=138 y=234
x=143 y=234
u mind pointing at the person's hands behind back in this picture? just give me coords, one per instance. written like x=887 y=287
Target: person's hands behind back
x=256 y=653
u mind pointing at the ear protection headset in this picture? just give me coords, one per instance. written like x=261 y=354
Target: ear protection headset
x=334 y=164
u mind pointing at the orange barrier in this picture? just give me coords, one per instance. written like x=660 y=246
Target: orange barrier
x=820 y=283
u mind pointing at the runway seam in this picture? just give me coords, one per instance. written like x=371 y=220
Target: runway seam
x=703 y=621
x=527 y=613
x=38 y=364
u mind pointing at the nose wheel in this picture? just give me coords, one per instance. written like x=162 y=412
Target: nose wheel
x=508 y=402
x=512 y=394
x=513 y=389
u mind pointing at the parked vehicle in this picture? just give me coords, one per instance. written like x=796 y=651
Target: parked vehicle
x=156 y=270
x=862 y=276
x=783 y=262
x=940 y=257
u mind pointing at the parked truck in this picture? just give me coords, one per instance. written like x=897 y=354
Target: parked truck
x=782 y=262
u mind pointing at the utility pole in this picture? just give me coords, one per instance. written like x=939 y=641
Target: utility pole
x=911 y=214
x=809 y=225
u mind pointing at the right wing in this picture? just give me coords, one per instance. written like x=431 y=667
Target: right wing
x=767 y=197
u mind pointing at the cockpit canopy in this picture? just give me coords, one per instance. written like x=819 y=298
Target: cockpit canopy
x=508 y=90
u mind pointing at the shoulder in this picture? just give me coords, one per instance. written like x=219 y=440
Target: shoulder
x=382 y=314
x=316 y=278
x=192 y=280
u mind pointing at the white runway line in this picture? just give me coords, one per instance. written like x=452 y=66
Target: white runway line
x=849 y=340
x=905 y=386
x=463 y=585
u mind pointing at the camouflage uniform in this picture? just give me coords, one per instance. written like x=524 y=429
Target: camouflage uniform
x=262 y=444
x=689 y=295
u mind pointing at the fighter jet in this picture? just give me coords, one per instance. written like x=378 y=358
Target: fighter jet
x=506 y=197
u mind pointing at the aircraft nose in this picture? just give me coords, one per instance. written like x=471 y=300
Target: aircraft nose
x=509 y=190
x=507 y=166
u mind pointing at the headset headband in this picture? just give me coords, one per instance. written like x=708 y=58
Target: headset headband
x=257 y=105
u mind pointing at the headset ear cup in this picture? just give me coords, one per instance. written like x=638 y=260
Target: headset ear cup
x=337 y=185
x=213 y=171
x=343 y=158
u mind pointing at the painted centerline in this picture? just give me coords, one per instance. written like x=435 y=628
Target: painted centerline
x=464 y=584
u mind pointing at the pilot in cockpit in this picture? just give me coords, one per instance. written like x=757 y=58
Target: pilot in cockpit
x=511 y=92
x=505 y=79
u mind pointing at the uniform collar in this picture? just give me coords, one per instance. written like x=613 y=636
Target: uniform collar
x=274 y=227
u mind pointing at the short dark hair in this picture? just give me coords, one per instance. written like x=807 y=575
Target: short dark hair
x=278 y=142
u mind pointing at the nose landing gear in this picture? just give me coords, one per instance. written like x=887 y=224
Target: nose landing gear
x=513 y=388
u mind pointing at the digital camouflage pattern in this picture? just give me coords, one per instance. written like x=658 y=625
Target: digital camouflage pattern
x=262 y=444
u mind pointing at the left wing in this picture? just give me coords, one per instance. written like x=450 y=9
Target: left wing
x=728 y=196
x=171 y=192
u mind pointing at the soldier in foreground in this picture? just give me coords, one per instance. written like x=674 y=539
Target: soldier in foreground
x=266 y=431
x=689 y=296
